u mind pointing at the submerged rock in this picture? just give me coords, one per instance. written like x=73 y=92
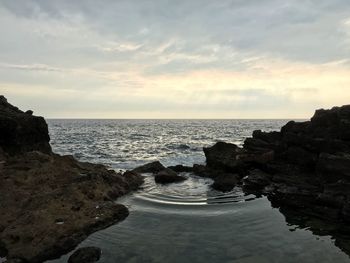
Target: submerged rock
x=153 y=167
x=168 y=176
x=85 y=255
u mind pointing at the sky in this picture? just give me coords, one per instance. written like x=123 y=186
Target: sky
x=175 y=59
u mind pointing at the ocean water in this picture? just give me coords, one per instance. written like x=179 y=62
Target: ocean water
x=187 y=221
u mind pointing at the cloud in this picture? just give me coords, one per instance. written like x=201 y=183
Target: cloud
x=300 y=30
x=33 y=67
x=220 y=58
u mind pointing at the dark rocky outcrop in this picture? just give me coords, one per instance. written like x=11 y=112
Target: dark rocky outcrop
x=168 y=176
x=22 y=132
x=223 y=156
x=305 y=166
x=85 y=255
x=304 y=170
x=50 y=203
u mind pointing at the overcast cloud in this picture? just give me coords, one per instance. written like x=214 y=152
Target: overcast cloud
x=175 y=59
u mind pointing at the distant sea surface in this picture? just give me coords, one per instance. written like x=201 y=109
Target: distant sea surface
x=125 y=144
x=188 y=221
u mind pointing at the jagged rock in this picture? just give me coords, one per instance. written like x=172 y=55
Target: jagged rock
x=223 y=156
x=256 y=158
x=334 y=167
x=300 y=157
x=271 y=137
x=305 y=166
x=85 y=255
x=168 y=176
x=21 y=132
x=153 y=167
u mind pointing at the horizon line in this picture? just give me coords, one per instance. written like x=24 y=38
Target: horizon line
x=80 y=118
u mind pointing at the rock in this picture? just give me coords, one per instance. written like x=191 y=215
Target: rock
x=223 y=156
x=181 y=168
x=134 y=179
x=263 y=142
x=71 y=204
x=333 y=167
x=258 y=145
x=21 y=132
x=168 y=176
x=225 y=182
x=300 y=157
x=207 y=172
x=270 y=137
x=153 y=167
x=75 y=198
x=3 y=250
x=85 y=255
x=257 y=179
x=201 y=170
x=30 y=112
x=256 y=158
x=3 y=155
x=305 y=166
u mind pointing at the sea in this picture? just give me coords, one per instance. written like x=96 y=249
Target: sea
x=187 y=221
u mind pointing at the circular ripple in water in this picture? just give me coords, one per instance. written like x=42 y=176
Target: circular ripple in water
x=191 y=196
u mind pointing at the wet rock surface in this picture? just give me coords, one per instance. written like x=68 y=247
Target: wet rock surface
x=50 y=203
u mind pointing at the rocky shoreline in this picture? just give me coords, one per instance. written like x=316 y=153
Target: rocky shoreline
x=304 y=170
x=50 y=203
x=306 y=165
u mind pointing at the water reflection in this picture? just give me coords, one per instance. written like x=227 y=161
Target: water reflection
x=296 y=219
